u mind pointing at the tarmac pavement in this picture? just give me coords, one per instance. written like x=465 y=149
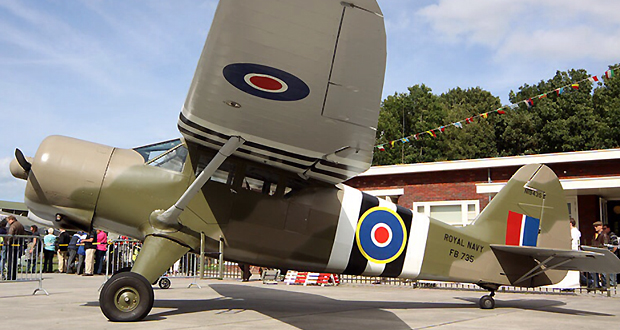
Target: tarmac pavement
x=73 y=304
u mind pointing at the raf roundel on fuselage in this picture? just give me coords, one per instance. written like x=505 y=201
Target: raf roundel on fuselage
x=266 y=82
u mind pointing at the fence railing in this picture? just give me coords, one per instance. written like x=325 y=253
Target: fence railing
x=21 y=260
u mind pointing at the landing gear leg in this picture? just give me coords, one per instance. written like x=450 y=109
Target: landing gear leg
x=487 y=301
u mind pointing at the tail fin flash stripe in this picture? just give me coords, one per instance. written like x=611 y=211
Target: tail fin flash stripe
x=521 y=230
x=530 y=231
x=513 y=228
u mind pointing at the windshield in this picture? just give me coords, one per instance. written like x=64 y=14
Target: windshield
x=152 y=151
x=173 y=160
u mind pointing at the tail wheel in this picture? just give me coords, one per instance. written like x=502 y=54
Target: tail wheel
x=487 y=302
x=164 y=283
x=126 y=297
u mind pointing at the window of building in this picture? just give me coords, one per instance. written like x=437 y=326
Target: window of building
x=456 y=213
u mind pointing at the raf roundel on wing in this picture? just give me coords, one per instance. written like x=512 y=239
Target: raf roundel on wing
x=381 y=235
x=266 y=82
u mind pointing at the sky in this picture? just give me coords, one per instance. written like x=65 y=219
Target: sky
x=117 y=72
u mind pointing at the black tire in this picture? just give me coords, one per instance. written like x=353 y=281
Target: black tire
x=487 y=302
x=164 y=283
x=126 y=297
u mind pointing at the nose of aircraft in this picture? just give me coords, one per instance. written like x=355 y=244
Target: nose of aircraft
x=64 y=180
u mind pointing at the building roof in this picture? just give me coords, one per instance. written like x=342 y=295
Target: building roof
x=4 y=205
x=468 y=164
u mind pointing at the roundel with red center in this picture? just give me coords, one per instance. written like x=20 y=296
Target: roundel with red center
x=266 y=82
x=381 y=235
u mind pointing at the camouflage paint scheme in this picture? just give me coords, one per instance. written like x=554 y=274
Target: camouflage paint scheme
x=309 y=229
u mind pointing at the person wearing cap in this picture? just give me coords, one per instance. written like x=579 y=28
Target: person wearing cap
x=599 y=240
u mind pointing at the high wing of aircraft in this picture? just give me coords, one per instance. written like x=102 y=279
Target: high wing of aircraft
x=281 y=110
x=300 y=81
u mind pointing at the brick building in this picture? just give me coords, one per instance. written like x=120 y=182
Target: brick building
x=456 y=191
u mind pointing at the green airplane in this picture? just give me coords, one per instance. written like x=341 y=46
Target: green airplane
x=282 y=109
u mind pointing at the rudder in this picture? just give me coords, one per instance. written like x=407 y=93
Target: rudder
x=530 y=210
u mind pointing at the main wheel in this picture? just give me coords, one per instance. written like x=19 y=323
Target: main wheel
x=487 y=302
x=126 y=297
x=164 y=283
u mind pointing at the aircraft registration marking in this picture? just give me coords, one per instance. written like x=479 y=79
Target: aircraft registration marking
x=457 y=252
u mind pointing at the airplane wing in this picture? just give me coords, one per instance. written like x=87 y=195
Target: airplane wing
x=300 y=81
x=589 y=260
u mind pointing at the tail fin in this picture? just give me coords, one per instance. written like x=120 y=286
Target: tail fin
x=530 y=210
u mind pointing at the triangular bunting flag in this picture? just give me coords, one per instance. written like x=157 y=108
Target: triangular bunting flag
x=404 y=140
x=609 y=73
x=542 y=96
x=458 y=124
x=381 y=147
x=392 y=143
x=575 y=86
x=593 y=78
x=501 y=112
x=560 y=91
x=484 y=115
x=529 y=103
x=431 y=133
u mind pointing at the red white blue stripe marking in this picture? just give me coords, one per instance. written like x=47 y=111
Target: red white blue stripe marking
x=521 y=229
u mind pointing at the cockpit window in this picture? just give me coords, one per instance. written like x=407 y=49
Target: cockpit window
x=152 y=151
x=172 y=160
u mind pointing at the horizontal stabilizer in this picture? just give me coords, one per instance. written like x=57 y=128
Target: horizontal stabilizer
x=589 y=260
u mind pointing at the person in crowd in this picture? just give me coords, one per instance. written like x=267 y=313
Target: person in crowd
x=246 y=273
x=575 y=235
x=90 y=247
x=72 y=253
x=49 y=249
x=613 y=247
x=599 y=240
x=63 y=247
x=81 y=251
x=3 y=231
x=34 y=249
x=14 y=247
x=102 y=239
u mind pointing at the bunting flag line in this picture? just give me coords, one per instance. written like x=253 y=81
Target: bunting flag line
x=529 y=103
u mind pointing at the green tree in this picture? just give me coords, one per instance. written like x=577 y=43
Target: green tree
x=554 y=123
x=405 y=114
x=475 y=139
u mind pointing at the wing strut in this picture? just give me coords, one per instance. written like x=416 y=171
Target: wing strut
x=169 y=218
x=543 y=266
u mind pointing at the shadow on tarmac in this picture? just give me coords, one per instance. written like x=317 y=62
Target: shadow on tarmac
x=311 y=311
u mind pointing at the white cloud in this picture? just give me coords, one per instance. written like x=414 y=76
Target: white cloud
x=11 y=189
x=543 y=29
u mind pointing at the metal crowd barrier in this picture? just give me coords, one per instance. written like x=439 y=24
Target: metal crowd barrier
x=121 y=255
x=21 y=260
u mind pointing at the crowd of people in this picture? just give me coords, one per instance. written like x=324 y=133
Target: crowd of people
x=603 y=238
x=82 y=253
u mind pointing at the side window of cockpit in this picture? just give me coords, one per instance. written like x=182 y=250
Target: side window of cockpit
x=224 y=174
x=260 y=180
x=294 y=184
x=172 y=160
